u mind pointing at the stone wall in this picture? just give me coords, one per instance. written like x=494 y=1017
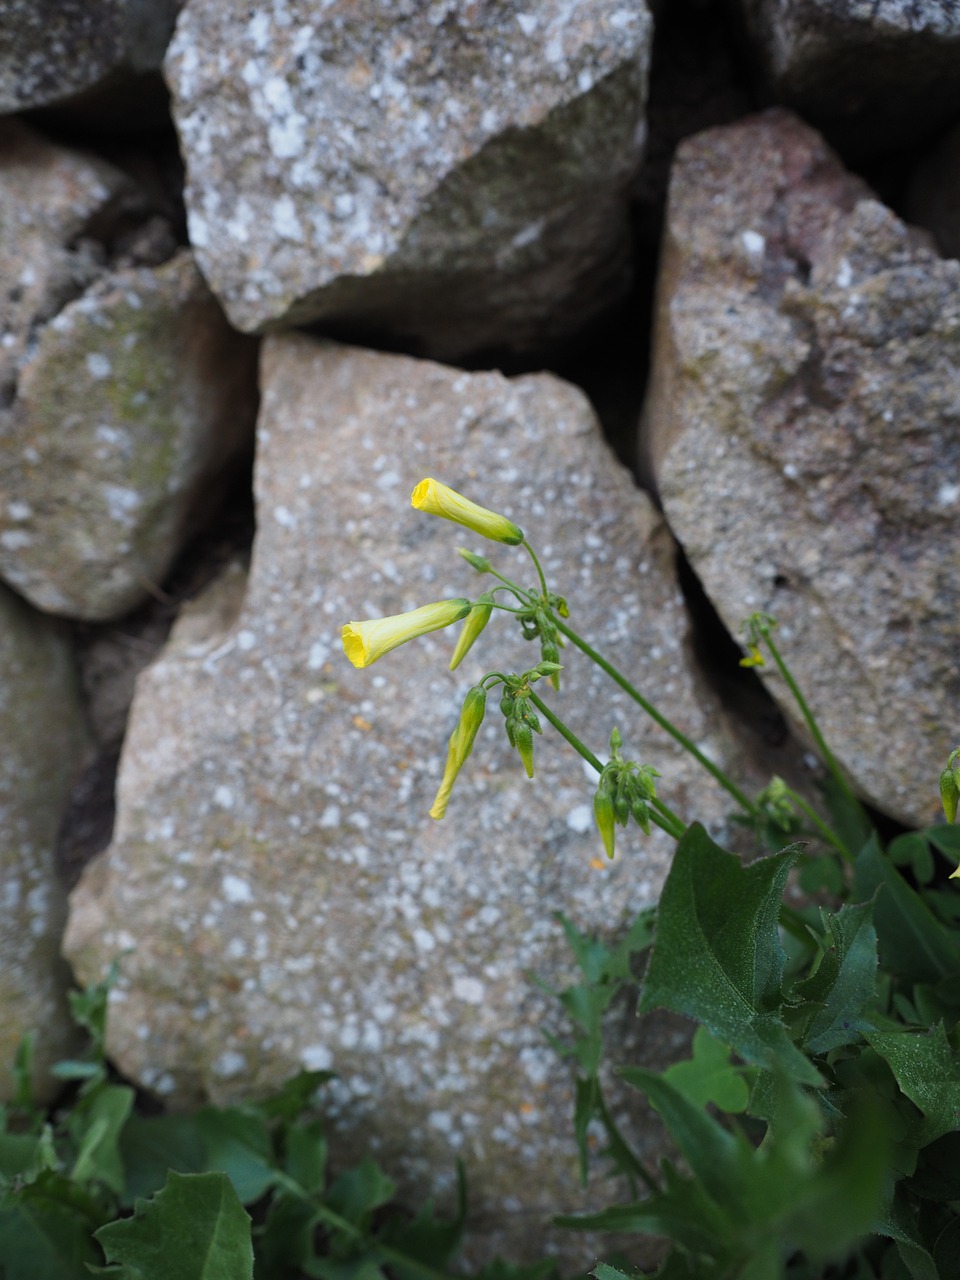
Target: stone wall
x=646 y=279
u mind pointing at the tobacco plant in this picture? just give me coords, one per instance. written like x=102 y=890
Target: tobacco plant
x=817 y=1121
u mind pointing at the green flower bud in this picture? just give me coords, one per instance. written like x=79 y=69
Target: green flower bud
x=641 y=814
x=950 y=788
x=475 y=621
x=523 y=741
x=480 y=563
x=460 y=745
x=603 y=816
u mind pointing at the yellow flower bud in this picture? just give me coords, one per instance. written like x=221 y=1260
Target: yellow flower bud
x=439 y=500
x=476 y=620
x=460 y=746
x=365 y=642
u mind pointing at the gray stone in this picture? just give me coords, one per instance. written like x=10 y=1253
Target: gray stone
x=804 y=427
x=453 y=173
x=873 y=74
x=44 y=745
x=133 y=403
x=288 y=900
x=56 y=207
x=55 y=51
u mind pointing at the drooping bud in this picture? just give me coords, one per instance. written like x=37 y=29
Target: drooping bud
x=480 y=563
x=460 y=745
x=476 y=620
x=950 y=787
x=523 y=741
x=604 y=818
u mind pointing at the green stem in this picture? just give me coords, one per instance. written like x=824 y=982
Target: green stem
x=663 y=816
x=690 y=747
x=829 y=759
x=826 y=832
x=533 y=557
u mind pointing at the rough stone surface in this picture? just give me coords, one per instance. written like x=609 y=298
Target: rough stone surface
x=56 y=208
x=51 y=51
x=135 y=398
x=873 y=74
x=804 y=421
x=44 y=742
x=287 y=898
x=450 y=172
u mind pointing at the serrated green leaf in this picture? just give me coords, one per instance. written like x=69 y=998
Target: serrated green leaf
x=928 y=1072
x=845 y=982
x=305 y=1155
x=18 y=1155
x=194 y=1229
x=913 y=943
x=717 y=955
x=710 y=1076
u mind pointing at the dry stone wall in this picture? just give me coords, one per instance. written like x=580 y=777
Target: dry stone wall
x=424 y=205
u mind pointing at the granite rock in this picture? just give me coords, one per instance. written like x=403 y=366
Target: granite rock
x=873 y=74
x=57 y=207
x=287 y=899
x=803 y=423
x=130 y=407
x=449 y=173
x=45 y=743
x=67 y=51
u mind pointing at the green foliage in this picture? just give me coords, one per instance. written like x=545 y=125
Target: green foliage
x=818 y=1117
x=99 y=1188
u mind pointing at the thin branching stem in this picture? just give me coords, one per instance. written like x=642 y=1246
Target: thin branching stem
x=690 y=747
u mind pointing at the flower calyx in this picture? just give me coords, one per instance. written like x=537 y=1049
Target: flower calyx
x=520 y=720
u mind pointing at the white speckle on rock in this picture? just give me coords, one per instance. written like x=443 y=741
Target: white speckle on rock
x=754 y=243
x=223 y=797
x=316 y=1057
x=468 y=989
x=230 y=1063
x=844 y=276
x=14 y=539
x=580 y=818
x=235 y=889
x=246 y=640
x=948 y=495
x=423 y=940
x=19 y=510
x=98 y=365
x=285 y=221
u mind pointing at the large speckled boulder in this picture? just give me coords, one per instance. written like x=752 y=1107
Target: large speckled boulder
x=874 y=74
x=804 y=428
x=287 y=897
x=453 y=173
x=44 y=745
x=132 y=405
x=72 y=51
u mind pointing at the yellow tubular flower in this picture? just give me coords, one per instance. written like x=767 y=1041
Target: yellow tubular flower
x=365 y=642
x=439 y=500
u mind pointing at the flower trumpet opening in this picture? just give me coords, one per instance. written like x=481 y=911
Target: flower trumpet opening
x=440 y=500
x=365 y=642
